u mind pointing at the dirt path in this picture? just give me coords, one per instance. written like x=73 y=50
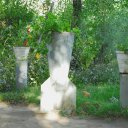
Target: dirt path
x=29 y=117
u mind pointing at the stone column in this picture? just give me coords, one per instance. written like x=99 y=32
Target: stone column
x=124 y=90
x=21 y=54
x=122 y=59
x=58 y=92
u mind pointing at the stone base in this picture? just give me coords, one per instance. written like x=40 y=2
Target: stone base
x=124 y=90
x=57 y=97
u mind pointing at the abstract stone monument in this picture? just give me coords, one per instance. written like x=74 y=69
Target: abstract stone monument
x=58 y=92
x=21 y=54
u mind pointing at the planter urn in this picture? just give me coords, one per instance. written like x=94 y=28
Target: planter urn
x=122 y=59
x=21 y=54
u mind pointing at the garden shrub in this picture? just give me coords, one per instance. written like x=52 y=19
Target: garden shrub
x=99 y=73
x=7 y=66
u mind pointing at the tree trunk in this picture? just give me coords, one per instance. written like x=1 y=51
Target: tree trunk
x=77 y=7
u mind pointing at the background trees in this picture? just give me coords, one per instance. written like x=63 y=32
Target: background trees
x=94 y=51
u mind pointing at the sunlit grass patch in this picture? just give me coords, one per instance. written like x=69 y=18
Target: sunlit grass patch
x=24 y=96
x=103 y=101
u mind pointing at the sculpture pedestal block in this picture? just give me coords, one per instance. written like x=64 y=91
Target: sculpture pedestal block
x=54 y=98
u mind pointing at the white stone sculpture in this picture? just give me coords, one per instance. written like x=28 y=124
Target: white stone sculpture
x=58 y=92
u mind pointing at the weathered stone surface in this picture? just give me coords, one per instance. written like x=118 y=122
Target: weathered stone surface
x=58 y=92
x=124 y=90
x=122 y=59
x=21 y=54
x=53 y=98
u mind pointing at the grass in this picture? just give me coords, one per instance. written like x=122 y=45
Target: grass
x=102 y=101
x=25 y=96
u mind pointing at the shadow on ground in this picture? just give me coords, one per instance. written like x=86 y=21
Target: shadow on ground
x=30 y=117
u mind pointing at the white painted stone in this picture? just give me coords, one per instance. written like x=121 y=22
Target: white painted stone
x=58 y=92
x=21 y=54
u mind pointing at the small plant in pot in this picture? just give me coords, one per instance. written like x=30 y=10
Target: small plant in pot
x=21 y=53
x=58 y=24
x=22 y=42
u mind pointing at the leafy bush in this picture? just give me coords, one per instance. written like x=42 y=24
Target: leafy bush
x=38 y=67
x=103 y=73
x=7 y=65
x=99 y=73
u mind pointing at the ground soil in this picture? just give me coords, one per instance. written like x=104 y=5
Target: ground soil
x=30 y=117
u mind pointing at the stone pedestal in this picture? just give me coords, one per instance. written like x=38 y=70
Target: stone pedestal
x=58 y=92
x=21 y=54
x=122 y=59
x=124 y=90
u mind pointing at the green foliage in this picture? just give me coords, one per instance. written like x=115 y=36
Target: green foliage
x=15 y=11
x=102 y=73
x=103 y=25
x=56 y=23
x=99 y=73
x=7 y=67
x=24 y=37
x=119 y=29
x=96 y=37
x=38 y=67
x=93 y=33
x=12 y=13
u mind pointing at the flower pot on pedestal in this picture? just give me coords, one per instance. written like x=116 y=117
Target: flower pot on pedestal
x=21 y=54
